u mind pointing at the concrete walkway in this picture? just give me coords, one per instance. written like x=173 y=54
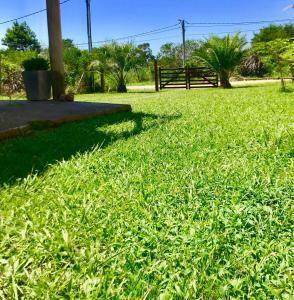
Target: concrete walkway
x=16 y=117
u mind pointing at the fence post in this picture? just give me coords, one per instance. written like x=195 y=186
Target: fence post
x=160 y=83
x=156 y=75
x=187 y=75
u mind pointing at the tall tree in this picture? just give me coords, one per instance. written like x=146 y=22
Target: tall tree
x=168 y=56
x=222 y=55
x=279 y=53
x=273 y=32
x=67 y=43
x=21 y=37
x=171 y=55
x=147 y=54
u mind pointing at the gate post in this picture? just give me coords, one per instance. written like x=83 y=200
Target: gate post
x=187 y=75
x=160 y=83
x=156 y=75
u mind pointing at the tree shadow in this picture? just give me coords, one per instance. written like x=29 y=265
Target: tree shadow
x=252 y=86
x=33 y=153
x=142 y=92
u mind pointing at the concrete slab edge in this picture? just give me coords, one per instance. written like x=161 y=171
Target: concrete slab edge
x=22 y=130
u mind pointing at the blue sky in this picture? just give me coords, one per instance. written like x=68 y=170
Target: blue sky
x=117 y=18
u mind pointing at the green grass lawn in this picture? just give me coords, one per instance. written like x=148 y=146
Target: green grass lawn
x=188 y=197
x=142 y=83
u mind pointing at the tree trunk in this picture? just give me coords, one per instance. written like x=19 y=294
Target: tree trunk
x=283 y=85
x=121 y=86
x=102 y=82
x=292 y=72
x=225 y=81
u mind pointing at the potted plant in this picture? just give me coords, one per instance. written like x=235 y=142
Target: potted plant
x=37 y=78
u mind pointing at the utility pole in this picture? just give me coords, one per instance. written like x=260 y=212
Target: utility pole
x=89 y=25
x=183 y=26
x=90 y=42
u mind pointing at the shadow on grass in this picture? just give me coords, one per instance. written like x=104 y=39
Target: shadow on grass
x=32 y=154
x=249 y=86
x=142 y=92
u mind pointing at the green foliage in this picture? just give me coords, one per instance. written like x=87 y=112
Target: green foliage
x=270 y=44
x=100 y=63
x=146 y=52
x=17 y=57
x=171 y=55
x=273 y=32
x=190 y=196
x=11 y=78
x=118 y=60
x=252 y=66
x=67 y=43
x=20 y=37
x=222 y=55
x=168 y=56
x=111 y=64
x=36 y=64
x=73 y=64
x=76 y=65
x=276 y=54
x=11 y=68
x=140 y=75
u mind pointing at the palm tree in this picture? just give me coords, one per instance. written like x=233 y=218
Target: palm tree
x=122 y=58
x=222 y=55
x=100 y=63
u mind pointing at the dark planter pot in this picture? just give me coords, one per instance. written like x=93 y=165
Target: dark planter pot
x=37 y=85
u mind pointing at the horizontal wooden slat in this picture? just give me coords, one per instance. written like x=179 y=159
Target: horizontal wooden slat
x=171 y=69
x=174 y=83
x=174 y=87
x=197 y=80
x=172 y=75
x=171 y=79
x=201 y=86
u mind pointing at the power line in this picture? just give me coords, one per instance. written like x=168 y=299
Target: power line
x=155 y=31
x=226 y=32
x=191 y=25
x=158 y=39
x=31 y=14
x=177 y=36
x=148 y=40
x=167 y=37
x=213 y=24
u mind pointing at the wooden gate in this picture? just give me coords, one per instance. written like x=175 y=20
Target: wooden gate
x=187 y=78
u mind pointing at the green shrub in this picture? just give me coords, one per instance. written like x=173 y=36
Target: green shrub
x=36 y=64
x=252 y=66
x=11 y=80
